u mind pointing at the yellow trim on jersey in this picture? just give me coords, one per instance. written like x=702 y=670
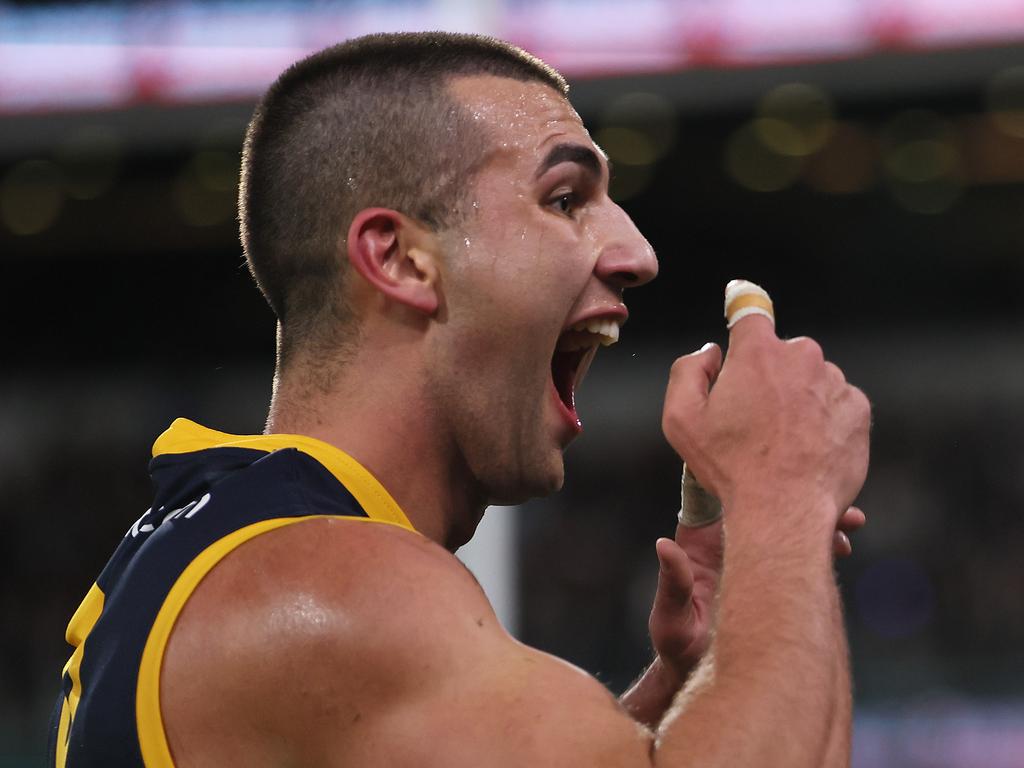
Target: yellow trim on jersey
x=156 y=752
x=62 y=735
x=81 y=624
x=78 y=629
x=184 y=436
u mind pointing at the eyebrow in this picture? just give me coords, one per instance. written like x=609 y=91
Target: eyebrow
x=571 y=153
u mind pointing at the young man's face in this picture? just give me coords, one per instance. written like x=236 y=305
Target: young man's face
x=542 y=248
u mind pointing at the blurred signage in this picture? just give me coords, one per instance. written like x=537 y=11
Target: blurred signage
x=101 y=55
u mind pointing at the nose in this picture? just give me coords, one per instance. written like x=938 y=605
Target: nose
x=626 y=259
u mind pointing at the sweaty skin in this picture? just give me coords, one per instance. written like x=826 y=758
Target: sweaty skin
x=339 y=643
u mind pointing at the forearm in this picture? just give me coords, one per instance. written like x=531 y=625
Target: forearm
x=766 y=695
x=838 y=751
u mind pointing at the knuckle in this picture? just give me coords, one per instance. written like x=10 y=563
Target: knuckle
x=679 y=367
x=861 y=402
x=835 y=371
x=808 y=348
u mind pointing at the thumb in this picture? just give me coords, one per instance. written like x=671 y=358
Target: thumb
x=750 y=331
x=749 y=313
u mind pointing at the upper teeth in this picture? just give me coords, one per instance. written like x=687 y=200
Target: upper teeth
x=607 y=330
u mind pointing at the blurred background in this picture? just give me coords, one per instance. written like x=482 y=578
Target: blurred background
x=861 y=159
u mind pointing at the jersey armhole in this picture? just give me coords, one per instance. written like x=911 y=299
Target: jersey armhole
x=149 y=723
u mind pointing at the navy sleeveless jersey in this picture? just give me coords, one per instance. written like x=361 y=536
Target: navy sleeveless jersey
x=213 y=491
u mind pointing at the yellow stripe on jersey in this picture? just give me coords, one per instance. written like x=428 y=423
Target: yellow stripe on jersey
x=156 y=752
x=184 y=436
x=79 y=627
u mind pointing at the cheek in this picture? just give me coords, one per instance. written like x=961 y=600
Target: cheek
x=514 y=294
x=511 y=292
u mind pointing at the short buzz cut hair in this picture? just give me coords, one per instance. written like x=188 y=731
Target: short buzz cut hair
x=366 y=123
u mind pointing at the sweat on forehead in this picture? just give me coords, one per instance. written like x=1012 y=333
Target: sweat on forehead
x=503 y=102
x=520 y=120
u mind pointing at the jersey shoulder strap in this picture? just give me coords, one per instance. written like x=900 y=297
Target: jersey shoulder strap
x=214 y=491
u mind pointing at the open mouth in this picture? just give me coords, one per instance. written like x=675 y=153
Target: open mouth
x=573 y=355
x=564 y=369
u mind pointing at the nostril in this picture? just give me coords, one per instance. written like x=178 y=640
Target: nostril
x=623 y=266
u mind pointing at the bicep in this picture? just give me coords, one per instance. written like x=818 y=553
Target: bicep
x=445 y=685
x=338 y=643
x=508 y=706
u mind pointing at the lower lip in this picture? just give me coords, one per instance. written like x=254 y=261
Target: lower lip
x=570 y=417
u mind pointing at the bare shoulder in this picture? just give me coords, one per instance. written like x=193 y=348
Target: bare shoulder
x=296 y=623
x=343 y=642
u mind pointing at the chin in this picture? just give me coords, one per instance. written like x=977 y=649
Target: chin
x=533 y=482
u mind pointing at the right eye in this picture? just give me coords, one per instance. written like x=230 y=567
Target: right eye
x=566 y=203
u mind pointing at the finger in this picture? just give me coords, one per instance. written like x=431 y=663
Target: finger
x=692 y=376
x=703 y=546
x=841 y=545
x=749 y=313
x=675 y=577
x=698 y=508
x=852 y=519
x=751 y=329
x=835 y=373
x=813 y=351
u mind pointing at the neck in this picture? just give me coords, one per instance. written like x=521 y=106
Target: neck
x=377 y=411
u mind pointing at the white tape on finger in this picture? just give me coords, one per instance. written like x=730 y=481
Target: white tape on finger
x=697 y=507
x=744 y=298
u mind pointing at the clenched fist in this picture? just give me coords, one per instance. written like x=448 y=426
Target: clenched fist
x=781 y=429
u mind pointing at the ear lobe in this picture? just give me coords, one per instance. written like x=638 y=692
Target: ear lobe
x=380 y=248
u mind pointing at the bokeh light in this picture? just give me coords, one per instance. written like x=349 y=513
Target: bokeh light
x=204 y=191
x=628 y=181
x=848 y=162
x=794 y=119
x=637 y=130
x=989 y=154
x=754 y=165
x=90 y=158
x=643 y=114
x=627 y=146
x=31 y=196
x=1005 y=99
x=922 y=162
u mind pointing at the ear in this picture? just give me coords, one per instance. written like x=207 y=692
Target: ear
x=397 y=256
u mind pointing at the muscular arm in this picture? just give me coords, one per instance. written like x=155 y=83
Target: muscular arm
x=837 y=753
x=774 y=636
x=341 y=643
x=334 y=643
